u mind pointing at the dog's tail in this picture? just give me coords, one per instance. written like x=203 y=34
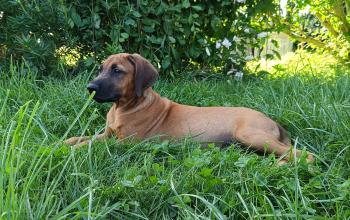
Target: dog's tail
x=284 y=136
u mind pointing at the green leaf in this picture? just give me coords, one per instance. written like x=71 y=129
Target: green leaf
x=157 y=167
x=76 y=19
x=197 y=7
x=186 y=4
x=195 y=15
x=165 y=62
x=175 y=53
x=136 y=14
x=153 y=179
x=261 y=180
x=148 y=29
x=124 y=35
x=150 y=22
x=97 y=21
x=269 y=56
x=167 y=26
x=172 y=40
x=156 y=40
x=70 y=23
x=195 y=51
x=182 y=41
x=138 y=179
x=130 y=22
x=215 y=22
x=89 y=61
x=274 y=42
x=127 y=183
x=186 y=199
x=277 y=54
x=206 y=172
x=242 y=162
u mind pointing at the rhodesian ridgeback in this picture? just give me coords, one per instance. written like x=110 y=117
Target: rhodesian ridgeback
x=126 y=80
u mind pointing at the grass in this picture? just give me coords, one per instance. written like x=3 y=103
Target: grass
x=41 y=178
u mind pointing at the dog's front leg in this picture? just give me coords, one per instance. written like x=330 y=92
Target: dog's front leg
x=76 y=140
x=81 y=141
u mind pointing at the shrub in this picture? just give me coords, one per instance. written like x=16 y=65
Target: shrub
x=172 y=34
x=32 y=30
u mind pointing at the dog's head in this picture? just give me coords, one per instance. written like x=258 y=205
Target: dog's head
x=122 y=77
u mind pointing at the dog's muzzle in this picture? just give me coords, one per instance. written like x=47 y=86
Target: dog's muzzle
x=92 y=87
x=101 y=94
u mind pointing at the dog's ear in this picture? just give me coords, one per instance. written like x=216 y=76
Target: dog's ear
x=145 y=73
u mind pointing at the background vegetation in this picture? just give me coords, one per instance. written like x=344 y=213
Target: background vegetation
x=219 y=35
x=166 y=32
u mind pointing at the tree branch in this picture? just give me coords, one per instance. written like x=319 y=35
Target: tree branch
x=315 y=43
x=327 y=25
x=312 y=41
x=339 y=11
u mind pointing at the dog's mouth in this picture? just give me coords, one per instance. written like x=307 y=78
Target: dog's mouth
x=104 y=99
x=103 y=94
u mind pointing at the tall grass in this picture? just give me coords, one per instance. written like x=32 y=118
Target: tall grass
x=41 y=178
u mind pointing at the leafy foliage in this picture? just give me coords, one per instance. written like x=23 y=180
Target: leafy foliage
x=322 y=24
x=172 y=34
x=32 y=30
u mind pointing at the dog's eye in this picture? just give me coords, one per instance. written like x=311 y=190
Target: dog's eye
x=116 y=70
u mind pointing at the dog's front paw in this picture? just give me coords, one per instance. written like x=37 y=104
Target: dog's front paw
x=282 y=162
x=74 y=140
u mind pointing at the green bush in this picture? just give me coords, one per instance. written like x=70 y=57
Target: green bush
x=172 y=34
x=32 y=30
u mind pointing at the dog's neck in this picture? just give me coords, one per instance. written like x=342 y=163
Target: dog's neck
x=136 y=103
x=134 y=113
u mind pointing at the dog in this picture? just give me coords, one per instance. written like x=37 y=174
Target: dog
x=126 y=80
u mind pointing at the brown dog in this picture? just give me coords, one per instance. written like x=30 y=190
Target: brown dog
x=138 y=111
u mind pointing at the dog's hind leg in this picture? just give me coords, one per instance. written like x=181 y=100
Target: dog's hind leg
x=283 y=136
x=266 y=142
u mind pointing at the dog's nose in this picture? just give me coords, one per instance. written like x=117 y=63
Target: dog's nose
x=92 y=87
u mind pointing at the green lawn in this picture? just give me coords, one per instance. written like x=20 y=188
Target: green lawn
x=41 y=178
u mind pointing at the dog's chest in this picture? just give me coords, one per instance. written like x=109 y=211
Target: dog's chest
x=115 y=124
x=125 y=126
x=120 y=128
x=141 y=122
